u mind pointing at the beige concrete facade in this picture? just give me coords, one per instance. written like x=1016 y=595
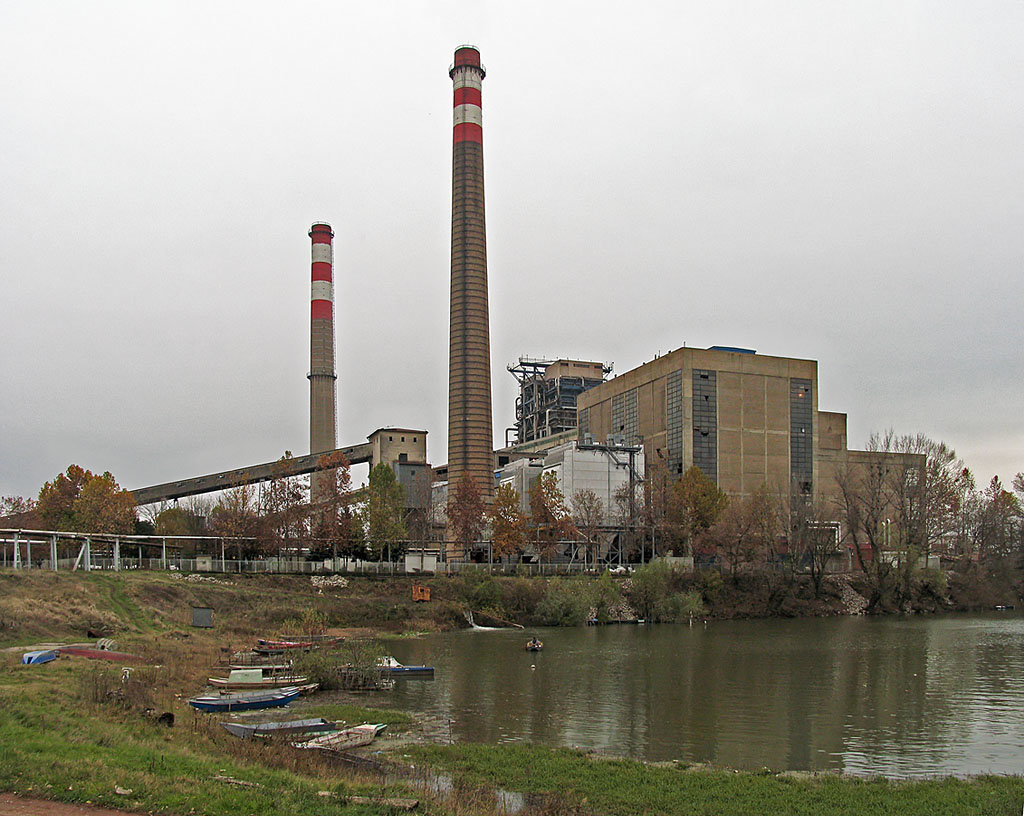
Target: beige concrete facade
x=574 y=368
x=392 y=445
x=750 y=435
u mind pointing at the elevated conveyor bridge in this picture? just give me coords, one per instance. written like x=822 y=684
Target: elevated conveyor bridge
x=282 y=468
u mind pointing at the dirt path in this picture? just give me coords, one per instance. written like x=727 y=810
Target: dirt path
x=11 y=805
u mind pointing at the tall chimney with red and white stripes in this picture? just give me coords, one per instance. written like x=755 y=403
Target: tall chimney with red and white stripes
x=470 y=440
x=322 y=376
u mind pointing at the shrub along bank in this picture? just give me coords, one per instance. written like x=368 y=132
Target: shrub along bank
x=42 y=606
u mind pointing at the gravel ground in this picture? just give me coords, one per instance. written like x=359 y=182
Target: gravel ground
x=11 y=805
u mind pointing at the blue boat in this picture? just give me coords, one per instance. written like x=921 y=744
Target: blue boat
x=41 y=656
x=388 y=665
x=246 y=701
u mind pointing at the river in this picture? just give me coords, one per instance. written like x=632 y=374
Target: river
x=894 y=696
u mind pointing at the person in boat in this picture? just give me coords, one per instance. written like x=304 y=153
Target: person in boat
x=534 y=643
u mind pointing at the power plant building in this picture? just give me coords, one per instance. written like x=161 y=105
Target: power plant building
x=745 y=419
x=548 y=390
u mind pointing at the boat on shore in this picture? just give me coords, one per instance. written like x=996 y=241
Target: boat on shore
x=245 y=701
x=250 y=678
x=270 y=647
x=40 y=656
x=273 y=729
x=344 y=740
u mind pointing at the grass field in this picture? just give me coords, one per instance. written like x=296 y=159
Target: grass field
x=612 y=787
x=71 y=730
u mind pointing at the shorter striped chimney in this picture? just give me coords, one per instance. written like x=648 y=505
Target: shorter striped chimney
x=322 y=376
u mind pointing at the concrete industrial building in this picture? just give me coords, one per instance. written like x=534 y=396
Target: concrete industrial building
x=603 y=469
x=548 y=390
x=745 y=419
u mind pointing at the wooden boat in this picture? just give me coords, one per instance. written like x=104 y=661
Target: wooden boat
x=256 y=679
x=320 y=640
x=40 y=656
x=273 y=729
x=245 y=701
x=388 y=665
x=100 y=654
x=534 y=645
x=345 y=739
x=263 y=644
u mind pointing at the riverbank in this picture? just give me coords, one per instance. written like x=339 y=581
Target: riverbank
x=570 y=781
x=73 y=732
x=36 y=605
x=62 y=743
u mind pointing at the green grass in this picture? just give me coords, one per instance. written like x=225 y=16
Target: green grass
x=58 y=746
x=614 y=787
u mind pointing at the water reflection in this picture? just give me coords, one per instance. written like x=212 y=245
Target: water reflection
x=900 y=697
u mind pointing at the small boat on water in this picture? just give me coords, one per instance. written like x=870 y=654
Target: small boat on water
x=388 y=665
x=245 y=701
x=255 y=679
x=534 y=645
x=344 y=740
x=40 y=656
x=273 y=729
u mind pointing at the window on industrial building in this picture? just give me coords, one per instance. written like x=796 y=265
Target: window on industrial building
x=705 y=422
x=801 y=439
x=674 y=420
x=624 y=415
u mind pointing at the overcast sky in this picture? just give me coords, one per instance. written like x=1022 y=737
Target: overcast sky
x=836 y=181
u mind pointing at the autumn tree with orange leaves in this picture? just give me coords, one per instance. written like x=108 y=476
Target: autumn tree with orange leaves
x=78 y=500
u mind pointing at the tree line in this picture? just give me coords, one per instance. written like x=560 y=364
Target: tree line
x=259 y=519
x=888 y=509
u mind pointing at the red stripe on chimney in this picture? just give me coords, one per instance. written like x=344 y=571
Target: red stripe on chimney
x=467 y=96
x=321 y=309
x=469 y=132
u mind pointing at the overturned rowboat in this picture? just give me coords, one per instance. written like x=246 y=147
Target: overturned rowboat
x=273 y=729
x=345 y=739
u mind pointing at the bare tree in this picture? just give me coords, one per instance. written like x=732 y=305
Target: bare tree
x=813 y=539
x=333 y=521
x=237 y=516
x=734 y=535
x=284 y=505
x=588 y=516
x=466 y=513
x=551 y=519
